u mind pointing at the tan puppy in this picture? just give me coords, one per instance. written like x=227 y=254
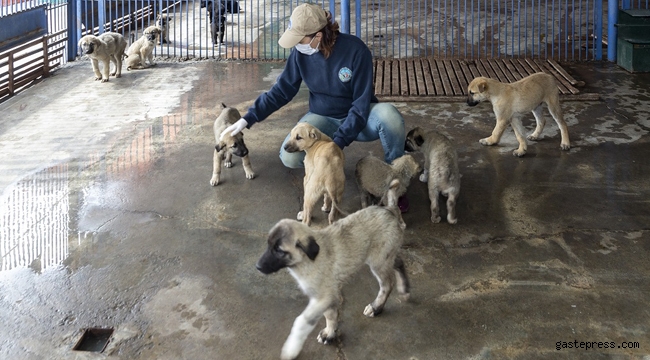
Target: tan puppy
x=142 y=49
x=228 y=145
x=324 y=162
x=440 y=169
x=107 y=47
x=373 y=177
x=322 y=260
x=510 y=101
x=162 y=21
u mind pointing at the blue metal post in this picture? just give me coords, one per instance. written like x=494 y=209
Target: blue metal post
x=101 y=14
x=333 y=9
x=345 y=16
x=357 y=17
x=74 y=28
x=612 y=33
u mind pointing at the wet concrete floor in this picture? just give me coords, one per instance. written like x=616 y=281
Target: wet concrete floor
x=107 y=220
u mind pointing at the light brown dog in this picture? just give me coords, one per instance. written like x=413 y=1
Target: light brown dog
x=374 y=176
x=322 y=260
x=141 y=50
x=511 y=101
x=440 y=169
x=228 y=145
x=107 y=47
x=324 y=175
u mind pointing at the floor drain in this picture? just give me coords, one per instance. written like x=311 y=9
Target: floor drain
x=93 y=339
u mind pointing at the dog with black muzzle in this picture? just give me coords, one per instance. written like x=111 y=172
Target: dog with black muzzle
x=108 y=48
x=440 y=169
x=322 y=260
x=141 y=50
x=228 y=145
x=162 y=21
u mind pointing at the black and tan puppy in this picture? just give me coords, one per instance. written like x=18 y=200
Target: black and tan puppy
x=322 y=260
x=228 y=145
x=440 y=169
x=141 y=50
x=108 y=48
x=324 y=175
x=511 y=101
x=162 y=21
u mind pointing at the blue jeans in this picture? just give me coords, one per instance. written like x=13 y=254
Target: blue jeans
x=384 y=123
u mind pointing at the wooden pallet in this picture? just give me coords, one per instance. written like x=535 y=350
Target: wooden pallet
x=427 y=79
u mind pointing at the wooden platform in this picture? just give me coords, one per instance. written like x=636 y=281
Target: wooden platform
x=427 y=79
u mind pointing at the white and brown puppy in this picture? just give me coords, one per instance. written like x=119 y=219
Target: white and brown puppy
x=322 y=260
x=511 y=101
x=108 y=48
x=324 y=175
x=141 y=50
x=440 y=169
x=228 y=145
x=374 y=176
x=162 y=21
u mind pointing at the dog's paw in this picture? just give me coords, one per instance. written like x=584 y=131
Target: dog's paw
x=104 y=80
x=324 y=337
x=532 y=137
x=299 y=216
x=369 y=311
x=565 y=147
x=424 y=178
x=452 y=220
x=250 y=175
x=519 y=153
x=215 y=180
x=228 y=164
x=404 y=297
x=326 y=208
x=435 y=219
x=486 y=141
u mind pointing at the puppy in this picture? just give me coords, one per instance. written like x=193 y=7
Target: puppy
x=510 y=101
x=229 y=145
x=322 y=260
x=108 y=48
x=440 y=169
x=373 y=177
x=142 y=49
x=324 y=175
x=162 y=22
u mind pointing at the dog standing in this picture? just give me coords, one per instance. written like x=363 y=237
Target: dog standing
x=511 y=101
x=162 y=22
x=228 y=145
x=322 y=260
x=108 y=48
x=324 y=175
x=440 y=169
x=374 y=176
x=142 y=49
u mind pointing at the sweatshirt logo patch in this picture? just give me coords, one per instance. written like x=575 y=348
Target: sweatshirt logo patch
x=345 y=74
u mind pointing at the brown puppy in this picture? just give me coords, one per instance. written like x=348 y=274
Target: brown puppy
x=142 y=49
x=228 y=145
x=162 y=21
x=324 y=175
x=511 y=101
x=322 y=260
x=107 y=47
x=440 y=169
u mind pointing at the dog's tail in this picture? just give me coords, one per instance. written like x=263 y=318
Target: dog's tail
x=391 y=201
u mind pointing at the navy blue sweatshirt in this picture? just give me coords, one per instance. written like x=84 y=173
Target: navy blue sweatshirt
x=339 y=87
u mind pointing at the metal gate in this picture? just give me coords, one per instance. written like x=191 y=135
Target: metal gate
x=553 y=29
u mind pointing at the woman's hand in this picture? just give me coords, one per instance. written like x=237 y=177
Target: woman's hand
x=234 y=129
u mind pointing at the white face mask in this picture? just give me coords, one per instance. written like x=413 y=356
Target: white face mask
x=307 y=49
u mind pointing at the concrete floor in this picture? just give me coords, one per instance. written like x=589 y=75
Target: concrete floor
x=107 y=219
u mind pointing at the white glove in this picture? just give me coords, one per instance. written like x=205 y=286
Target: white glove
x=234 y=129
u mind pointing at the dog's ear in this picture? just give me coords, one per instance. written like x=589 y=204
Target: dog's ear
x=482 y=86
x=220 y=146
x=313 y=133
x=223 y=106
x=418 y=139
x=312 y=248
